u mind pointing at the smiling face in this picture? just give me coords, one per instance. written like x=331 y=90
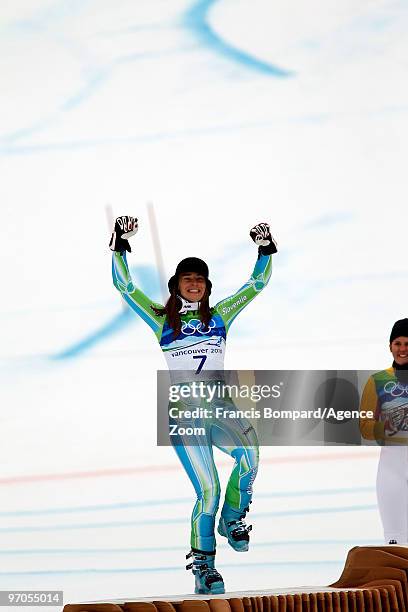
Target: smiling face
x=399 y=350
x=192 y=286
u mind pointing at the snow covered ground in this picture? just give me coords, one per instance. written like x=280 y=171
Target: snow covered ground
x=222 y=113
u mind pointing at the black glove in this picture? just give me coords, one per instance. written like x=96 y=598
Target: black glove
x=125 y=227
x=261 y=235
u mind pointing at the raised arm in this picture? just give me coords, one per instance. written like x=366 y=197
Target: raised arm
x=125 y=227
x=231 y=306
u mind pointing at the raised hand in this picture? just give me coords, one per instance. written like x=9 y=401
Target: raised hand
x=125 y=227
x=261 y=235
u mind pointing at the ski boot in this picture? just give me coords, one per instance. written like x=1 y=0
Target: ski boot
x=233 y=527
x=207 y=580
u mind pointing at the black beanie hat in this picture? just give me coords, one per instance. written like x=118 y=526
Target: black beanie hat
x=190 y=264
x=400 y=328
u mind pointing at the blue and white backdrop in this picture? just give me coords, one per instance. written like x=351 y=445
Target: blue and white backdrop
x=222 y=113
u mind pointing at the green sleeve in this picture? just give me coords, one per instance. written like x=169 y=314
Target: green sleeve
x=230 y=307
x=137 y=300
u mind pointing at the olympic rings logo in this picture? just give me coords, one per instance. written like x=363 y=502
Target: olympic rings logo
x=195 y=325
x=395 y=389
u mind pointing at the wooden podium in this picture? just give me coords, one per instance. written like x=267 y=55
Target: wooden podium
x=374 y=579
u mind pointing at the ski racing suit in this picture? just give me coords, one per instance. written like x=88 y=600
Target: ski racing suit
x=387 y=398
x=201 y=349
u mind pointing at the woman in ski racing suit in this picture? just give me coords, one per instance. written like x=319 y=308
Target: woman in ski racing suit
x=192 y=337
x=386 y=395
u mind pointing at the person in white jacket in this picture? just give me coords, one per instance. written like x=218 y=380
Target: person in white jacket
x=386 y=395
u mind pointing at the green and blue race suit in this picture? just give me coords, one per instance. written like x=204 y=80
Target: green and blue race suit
x=198 y=348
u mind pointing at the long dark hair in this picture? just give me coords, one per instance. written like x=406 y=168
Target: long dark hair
x=173 y=305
